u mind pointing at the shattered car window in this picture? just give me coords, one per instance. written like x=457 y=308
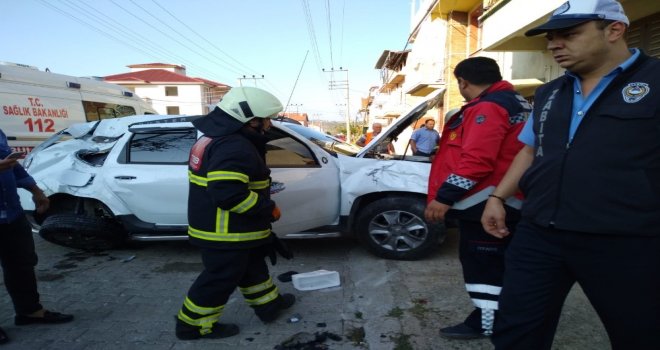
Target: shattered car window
x=162 y=148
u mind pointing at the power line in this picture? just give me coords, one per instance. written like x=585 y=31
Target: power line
x=327 y=9
x=203 y=38
x=341 y=42
x=240 y=65
x=124 y=41
x=296 y=82
x=165 y=34
x=131 y=36
x=231 y=66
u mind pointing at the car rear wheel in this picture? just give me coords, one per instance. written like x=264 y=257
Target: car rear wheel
x=394 y=228
x=82 y=232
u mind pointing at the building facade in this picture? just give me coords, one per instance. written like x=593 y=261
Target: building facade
x=169 y=90
x=445 y=32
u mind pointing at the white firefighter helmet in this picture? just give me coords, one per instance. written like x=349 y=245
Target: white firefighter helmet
x=247 y=103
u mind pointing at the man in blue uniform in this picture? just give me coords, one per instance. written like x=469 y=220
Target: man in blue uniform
x=590 y=173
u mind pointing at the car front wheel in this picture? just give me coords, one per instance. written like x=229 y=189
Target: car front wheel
x=394 y=228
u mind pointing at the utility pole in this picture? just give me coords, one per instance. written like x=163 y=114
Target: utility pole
x=253 y=77
x=296 y=105
x=340 y=85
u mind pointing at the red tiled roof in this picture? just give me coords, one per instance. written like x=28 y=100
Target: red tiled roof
x=154 y=65
x=301 y=117
x=159 y=76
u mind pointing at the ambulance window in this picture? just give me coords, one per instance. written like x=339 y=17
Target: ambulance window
x=106 y=113
x=91 y=111
x=123 y=111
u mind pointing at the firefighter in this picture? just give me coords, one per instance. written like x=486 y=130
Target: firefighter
x=476 y=148
x=230 y=214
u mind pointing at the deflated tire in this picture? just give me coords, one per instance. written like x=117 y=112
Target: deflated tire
x=82 y=232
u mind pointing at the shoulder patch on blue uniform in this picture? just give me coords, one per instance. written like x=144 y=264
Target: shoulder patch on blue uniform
x=633 y=92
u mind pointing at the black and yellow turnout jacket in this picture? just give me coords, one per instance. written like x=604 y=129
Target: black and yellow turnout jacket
x=229 y=205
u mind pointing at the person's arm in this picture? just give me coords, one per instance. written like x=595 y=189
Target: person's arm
x=24 y=180
x=413 y=146
x=493 y=217
x=360 y=141
x=6 y=164
x=41 y=201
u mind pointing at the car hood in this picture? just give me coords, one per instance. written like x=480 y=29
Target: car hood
x=404 y=121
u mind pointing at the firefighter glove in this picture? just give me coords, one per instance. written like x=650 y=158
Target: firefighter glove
x=276 y=214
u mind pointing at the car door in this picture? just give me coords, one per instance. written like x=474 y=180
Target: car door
x=305 y=183
x=151 y=175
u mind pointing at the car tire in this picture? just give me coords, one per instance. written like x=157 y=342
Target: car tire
x=82 y=232
x=394 y=228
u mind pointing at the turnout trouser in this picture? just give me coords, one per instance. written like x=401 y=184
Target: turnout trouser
x=224 y=270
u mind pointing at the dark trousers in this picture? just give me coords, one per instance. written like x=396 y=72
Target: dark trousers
x=620 y=275
x=18 y=259
x=224 y=270
x=482 y=259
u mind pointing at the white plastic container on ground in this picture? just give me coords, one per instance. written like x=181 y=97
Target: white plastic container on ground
x=315 y=280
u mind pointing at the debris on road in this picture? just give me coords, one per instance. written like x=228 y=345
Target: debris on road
x=307 y=341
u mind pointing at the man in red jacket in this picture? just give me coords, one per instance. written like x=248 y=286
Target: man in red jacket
x=476 y=148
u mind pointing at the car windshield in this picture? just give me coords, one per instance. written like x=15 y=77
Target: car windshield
x=325 y=141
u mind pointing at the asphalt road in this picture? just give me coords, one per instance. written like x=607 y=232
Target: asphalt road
x=127 y=299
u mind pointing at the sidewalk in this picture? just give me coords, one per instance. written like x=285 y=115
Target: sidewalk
x=127 y=299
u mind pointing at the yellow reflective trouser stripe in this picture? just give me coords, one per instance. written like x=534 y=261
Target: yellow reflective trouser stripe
x=227 y=175
x=204 y=322
x=257 y=185
x=258 y=287
x=227 y=237
x=221 y=221
x=246 y=204
x=201 y=309
x=264 y=299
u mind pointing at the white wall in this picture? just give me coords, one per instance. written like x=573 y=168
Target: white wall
x=513 y=16
x=189 y=100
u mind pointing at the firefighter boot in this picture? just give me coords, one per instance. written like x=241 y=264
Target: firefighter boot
x=185 y=331
x=269 y=312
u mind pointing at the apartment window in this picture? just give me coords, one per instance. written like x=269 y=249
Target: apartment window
x=171 y=91
x=173 y=110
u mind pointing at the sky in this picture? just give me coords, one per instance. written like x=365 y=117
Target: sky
x=288 y=42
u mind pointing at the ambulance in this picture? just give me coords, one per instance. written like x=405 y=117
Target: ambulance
x=36 y=104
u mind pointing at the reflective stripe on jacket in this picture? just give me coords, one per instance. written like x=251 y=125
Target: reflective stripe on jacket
x=229 y=200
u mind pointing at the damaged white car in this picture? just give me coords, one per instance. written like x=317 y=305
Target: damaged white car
x=126 y=179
